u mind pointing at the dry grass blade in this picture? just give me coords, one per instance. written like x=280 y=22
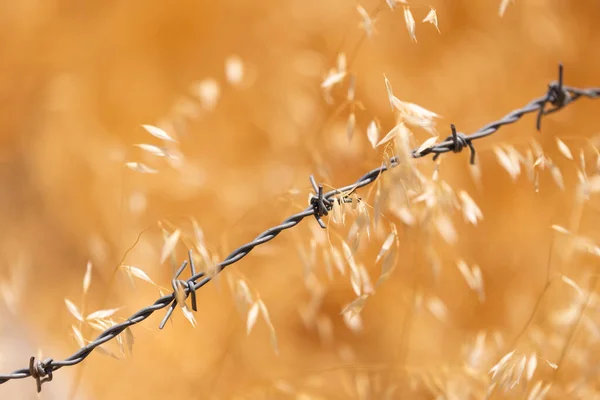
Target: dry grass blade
x=252 y=316
x=139 y=167
x=395 y=131
x=158 y=133
x=154 y=150
x=388 y=88
x=429 y=143
x=471 y=210
x=507 y=163
x=356 y=306
x=437 y=308
x=272 y=334
x=564 y=149
x=562 y=230
x=208 y=92
x=189 y=315
x=531 y=366
x=137 y=273
x=373 y=133
x=169 y=245
x=234 y=70
x=387 y=244
x=387 y=266
x=367 y=22
x=504 y=6
x=87 y=278
x=103 y=350
x=409 y=20
x=338 y=260
x=572 y=283
x=351 y=93
x=432 y=18
x=332 y=79
x=557 y=177
x=101 y=314
x=129 y=339
x=350 y=126
x=73 y=310
x=496 y=368
x=180 y=295
x=78 y=336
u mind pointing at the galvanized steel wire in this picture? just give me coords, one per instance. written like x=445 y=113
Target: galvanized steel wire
x=557 y=96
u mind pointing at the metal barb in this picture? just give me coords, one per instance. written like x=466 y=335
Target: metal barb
x=174 y=284
x=557 y=96
x=41 y=371
x=458 y=141
x=191 y=284
x=320 y=204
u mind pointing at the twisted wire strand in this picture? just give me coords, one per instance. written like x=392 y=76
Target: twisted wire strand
x=320 y=204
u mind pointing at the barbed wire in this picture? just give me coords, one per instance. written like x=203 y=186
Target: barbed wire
x=558 y=96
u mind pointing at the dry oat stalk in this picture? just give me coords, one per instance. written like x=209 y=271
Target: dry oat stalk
x=158 y=133
x=367 y=23
x=154 y=150
x=508 y=163
x=564 y=149
x=169 y=245
x=373 y=133
x=470 y=210
x=87 y=278
x=74 y=310
x=137 y=273
x=432 y=18
x=409 y=20
x=234 y=70
x=473 y=277
x=350 y=126
x=139 y=167
x=503 y=6
x=101 y=314
x=332 y=79
x=208 y=92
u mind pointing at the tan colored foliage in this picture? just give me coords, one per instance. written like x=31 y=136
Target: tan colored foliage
x=134 y=131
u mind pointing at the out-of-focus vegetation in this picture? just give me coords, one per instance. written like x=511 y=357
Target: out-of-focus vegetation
x=79 y=79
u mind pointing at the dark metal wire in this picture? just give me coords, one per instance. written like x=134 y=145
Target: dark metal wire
x=558 y=96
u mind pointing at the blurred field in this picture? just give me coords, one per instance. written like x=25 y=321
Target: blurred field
x=78 y=80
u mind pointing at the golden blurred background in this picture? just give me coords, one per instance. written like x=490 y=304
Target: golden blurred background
x=78 y=81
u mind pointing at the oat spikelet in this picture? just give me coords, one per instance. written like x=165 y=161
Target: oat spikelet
x=503 y=6
x=234 y=70
x=169 y=245
x=158 y=133
x=87 y=278
x=332 y=79
x=432 y=18
x=429 y=143
x=139 y=167
x=252 y=316
x=150 y=148
x=564 y=149
x=102 y=314
x=373 y=133
x=137 y=273
x=367 y=23
x=410 y=23
x=73 y=310
x=471 y=211
x=350 y=126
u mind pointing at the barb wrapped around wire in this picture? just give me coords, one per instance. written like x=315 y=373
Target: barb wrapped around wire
x=558 y=96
